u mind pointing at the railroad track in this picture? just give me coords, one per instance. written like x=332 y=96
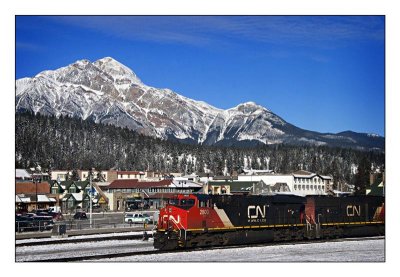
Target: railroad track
x=77 y=240
x=159 y=252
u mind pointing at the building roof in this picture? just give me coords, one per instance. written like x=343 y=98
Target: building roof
x=22 y=174
x=81 y=184
x=325 y=177
x=22 y=199
x=184 y=184
x=77 y=196
x=45 y=199
x=303 y=172
x=66 y=184
x=134 y=183
x=131 y=172
x=225 y=177
x=235 y=186
x=32 y=188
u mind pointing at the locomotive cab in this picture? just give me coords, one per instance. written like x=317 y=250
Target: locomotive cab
x=184 y=202
x=174 y=215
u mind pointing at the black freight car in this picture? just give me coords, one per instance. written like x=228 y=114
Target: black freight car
x=349 y=216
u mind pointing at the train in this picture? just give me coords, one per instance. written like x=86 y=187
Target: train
x=202 y=220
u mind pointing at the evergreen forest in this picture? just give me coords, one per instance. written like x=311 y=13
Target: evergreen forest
x=70 y=143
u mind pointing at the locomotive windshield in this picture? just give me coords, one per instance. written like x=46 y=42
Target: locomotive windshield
x=182 y=203
x=174 y=202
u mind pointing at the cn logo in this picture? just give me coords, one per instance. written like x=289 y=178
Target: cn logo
x=172 y=218
x=353 y=210
x=256 y=211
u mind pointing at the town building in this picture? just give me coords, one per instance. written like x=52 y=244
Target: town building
x=32 y=196
x=125 y=193
x=267 y=182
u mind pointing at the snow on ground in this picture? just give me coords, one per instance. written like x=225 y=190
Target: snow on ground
x=20 y=241
x=371 y=250
x=63 y=250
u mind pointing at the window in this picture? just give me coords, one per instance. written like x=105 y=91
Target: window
x=70 y=202
x=205 y=203
x=295 y=187
x=187 y=202
x=173 y=202
x=54 y=190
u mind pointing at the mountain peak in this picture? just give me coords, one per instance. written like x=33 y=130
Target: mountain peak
x=117 y=70
x=109 y=92
x=249 y=107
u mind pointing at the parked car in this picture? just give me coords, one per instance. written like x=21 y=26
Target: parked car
x=30 y=214
x=39 y=211
x=55 y=209
x=42 y=223
x=138 y=218
x=137 y=205
x=23 y=224
x=80 y=215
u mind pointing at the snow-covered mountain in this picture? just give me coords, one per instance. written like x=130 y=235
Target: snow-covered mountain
x=107 y=91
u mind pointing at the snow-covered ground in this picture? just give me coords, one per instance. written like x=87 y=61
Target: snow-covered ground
x=21 y=241
x=65 y=250
x=371 y=250
x=351 y=250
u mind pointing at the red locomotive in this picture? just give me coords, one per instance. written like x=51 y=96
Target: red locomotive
x=198 y=220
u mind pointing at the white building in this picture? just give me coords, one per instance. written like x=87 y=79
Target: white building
x=130 y=175
x=83 y=174
x=300 y=182
x=59 y=175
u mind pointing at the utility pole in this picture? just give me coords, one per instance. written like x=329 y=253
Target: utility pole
x=90 y=197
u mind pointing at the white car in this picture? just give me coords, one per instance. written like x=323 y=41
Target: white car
x=138 y=218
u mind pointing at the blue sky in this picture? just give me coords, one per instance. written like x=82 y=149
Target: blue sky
x=321 y=73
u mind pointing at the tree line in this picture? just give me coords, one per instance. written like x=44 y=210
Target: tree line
x=71 y=143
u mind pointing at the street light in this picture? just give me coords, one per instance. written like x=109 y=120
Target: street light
x=36 y=180
x=90 y=196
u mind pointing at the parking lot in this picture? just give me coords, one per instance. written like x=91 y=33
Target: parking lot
x=99 y=220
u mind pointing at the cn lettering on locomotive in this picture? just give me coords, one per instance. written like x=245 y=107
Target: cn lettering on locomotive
x=258 y=212
x=353 y=210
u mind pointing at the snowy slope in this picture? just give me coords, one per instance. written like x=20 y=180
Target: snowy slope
x=107 y=91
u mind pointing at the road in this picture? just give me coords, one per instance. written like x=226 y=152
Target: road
x=100 y=220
